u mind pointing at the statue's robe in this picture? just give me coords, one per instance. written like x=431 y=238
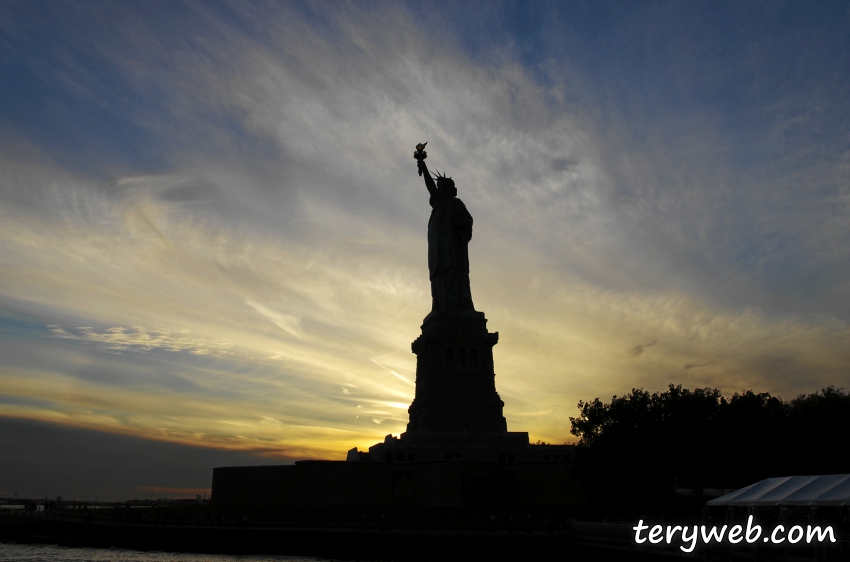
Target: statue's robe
x=449 y=232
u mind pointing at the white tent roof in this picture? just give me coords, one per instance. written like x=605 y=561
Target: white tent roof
x=831 y=489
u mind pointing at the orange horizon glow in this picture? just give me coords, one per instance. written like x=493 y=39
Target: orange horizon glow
x=256 y=283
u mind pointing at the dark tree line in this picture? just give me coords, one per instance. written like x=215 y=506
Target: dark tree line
x=634 y=450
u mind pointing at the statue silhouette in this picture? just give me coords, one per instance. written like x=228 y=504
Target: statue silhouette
x=449 y=232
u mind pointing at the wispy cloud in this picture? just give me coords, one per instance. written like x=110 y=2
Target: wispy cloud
x=271 y=258
x=138 y=338
x=638 y=349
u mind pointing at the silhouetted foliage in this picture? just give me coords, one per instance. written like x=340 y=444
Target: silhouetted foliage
x=634 y=450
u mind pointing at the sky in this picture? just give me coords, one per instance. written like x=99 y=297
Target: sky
x=213 y=235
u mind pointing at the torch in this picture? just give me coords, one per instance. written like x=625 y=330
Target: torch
x=420 y=154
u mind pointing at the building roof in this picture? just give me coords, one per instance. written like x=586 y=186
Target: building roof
x=830 y=489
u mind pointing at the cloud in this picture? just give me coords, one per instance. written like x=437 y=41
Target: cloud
x=117 y=339
x=276 y=252
x=689 y=366
x=638 y=349
x=128 y=467
x=405 y=379
x=286 y=322
x=269 y=421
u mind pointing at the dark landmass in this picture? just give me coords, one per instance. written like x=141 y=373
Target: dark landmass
x=635 y=452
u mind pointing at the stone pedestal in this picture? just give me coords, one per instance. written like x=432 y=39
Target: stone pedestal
x=455 y=380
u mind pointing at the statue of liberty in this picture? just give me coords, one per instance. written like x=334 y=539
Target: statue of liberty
x=449 y=232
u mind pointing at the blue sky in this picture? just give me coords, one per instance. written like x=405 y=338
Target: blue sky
x=212 y=234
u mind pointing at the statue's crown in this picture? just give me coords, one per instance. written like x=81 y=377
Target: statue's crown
x=438 y=176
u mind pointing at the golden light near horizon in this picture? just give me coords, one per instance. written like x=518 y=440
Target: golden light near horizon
x=258 y=288
x=323 y=364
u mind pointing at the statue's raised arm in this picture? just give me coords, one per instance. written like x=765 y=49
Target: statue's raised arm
x=420 y=156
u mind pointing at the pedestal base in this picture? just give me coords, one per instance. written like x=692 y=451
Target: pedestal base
x=455 y=380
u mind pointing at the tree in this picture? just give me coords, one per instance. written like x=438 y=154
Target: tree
x=633 y=450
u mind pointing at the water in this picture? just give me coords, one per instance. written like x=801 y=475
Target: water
x=52 y=553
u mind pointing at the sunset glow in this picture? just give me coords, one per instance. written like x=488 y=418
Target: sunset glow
x=212 y=232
